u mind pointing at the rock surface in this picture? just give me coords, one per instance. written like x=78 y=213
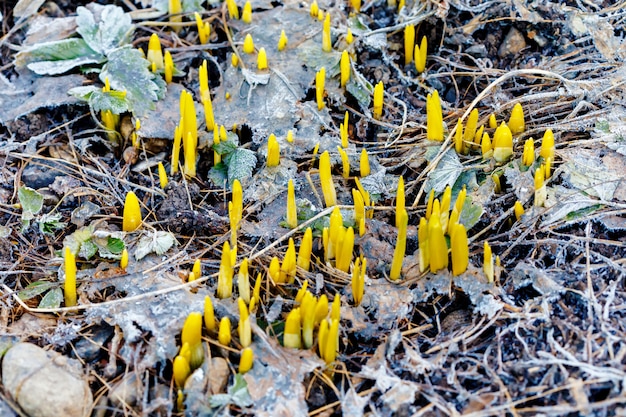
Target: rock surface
x=45 y=384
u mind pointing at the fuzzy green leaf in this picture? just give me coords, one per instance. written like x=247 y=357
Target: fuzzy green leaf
x=159 y=242
x=240 y=163
x=115 y=101
x=31 y=202
x=34 y=289
x=127 y=70
x=218 y=174
x=52 y=299
x=446 y=173
x=106 y=30
x=50 y=223
x=58 y=57
x=225 y=147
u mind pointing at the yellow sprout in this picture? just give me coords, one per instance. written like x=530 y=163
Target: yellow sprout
x=331 y=342
x=485 y=146
x=162 y=175
x=420 y=54
x=434 y=117
x=124 y=259
x=246 y=14
x=292 y=338
x=248 y=44
x=422 y=239
x=282 y=41
x=540 y=187
x=364 y=163
x=518 y=209
x=502 y=143
x=345 y=162
x=344 y=66
x=69 y=287
x=209 y=314
x=246 y=361
x=356 y=5
x=460 y=250
x=168 y=69
x=470 y=126
x=314 y=9
x=181 y=371
x=132 y=213
x=204 y=29
x=307 y=318
x=547 y=145
x=516 y=122
x=398 y=254
x=292 y=212
x=192 y=335
x=243 y=281
x=343 y=130
x=326 y=42
x=175 y=8
x=326 y=180
x=225 y=275
x=459 y=146
x=273 y=151
x=274 y=269
x=400 y=201
x=223 y=335
x=189 y=169
x=409 y=43
x=205 y=96
x=437 y=248
x=493 y=123
x=320 y=78
x=378 y=100
x=358 y=279
x=306 y=247
x=288 y=267
x=261 y=60
x=344 y=251
x=488 y=262
x=243 y=328
x=155 y=53
x=349 y=37
x=528 y=156
x=233 y=11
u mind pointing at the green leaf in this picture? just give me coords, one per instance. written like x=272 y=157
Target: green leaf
x=237 y=394
x=115 y=245
x=362 y=95
x=225 y=147
x=99 y=100
x=240 y=163
x=76 y=240
x=446 y=173
x=159 y=242
x=127 y=70
x=31 y=202
x=52 y=299
x=470 y=213
x=49 y=223
x=88 y=249
x=108 y=30
x=58 y=57
x=218 y=174
x=34 y=289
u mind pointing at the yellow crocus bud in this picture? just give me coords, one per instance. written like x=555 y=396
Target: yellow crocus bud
x=292 y=338
x=326 y=42
x=192 y=335
x=132 y=213
x=518 y=209
x=320 y=78
x=540 y=187
x=175 y=8
x=326 y=180
x=314 y=9
x=344 y=256
x=321 y=309
x=233 y=11
x=478 y=136
x=470 y=127
x=400 y=201
x=409 y=43
x=124 y=259
x=288 y=267
x=69 y=287
x=273 y=151
x=344 y=66
x=209 y=314
x=248 y=44
x=420 y=54
x=306 y=247
x=488 y=263
x=205 y=96
x=345 y=163
x=168 y=69
x=359 y=209
x=292 y=212
x=162 y=175
x=349 y=37
x=547 y=145
x=460 y=200
x=181 y=371
x=261 y=59
x=197 y=268
x=246 y=14
x=516 y=122
x=528 y=156
x=322 y=335
x=282 y=41
x=547 y=166
x=204 y=29
x=300 y=294
x=331 y=345
x=356 y=5
x=493 y=123
x=176 y=151
x=234 y=60
x=223 y=335
x=364 y=163
x=434 y=117
x=358 y=279
x=437 y=248
x=402 y=220
x=274 y=269
x=377 y=110
x=246 y=361
x=343 y=131
x=189 y=169
x=502 y=143
x=485 y=146
x=497 y=187
x=289 y=138
x=446 y=200
x=429 y=204
x=243 y=328
x=422 y=239
x=459 y=146
x=307 y=317
x=225 y=275
x=155 y=53
x=243 y=281
x=460 y=250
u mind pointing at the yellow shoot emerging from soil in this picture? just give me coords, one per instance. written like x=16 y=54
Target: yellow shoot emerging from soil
x=289 y=138
x=518 y=208
x=204 y=29
x=246 y=361
x=320 y=78
x=326 y=42
x=409 y=43
x=192 y=335
x=364 y=163
x=422 y=239
x=502 y=143
x=420 y=54
x=402 y=220
x=69 y=287
x=343 y=130
x=163 y=181
x=345 y=163
x=493 y=123
x=359 y=211
x=292 y=338
x=124 y=259
x=292 y=212
x=261 y=61
x=155 y=53
x=175 y=8
x=314 y=9
x=379 y=91
x=205 y=96
x=344 y=66
x=224 y=334
x=282 y=41
x=181 y=371
x=248 y=44
x=225 y=276
x=306 y=247
x=459 y=146
x=307 y=317
x=243 y=328
x=528 y=156
x=246 y=14
x=540 y=187
x=326 y=181
x=400 y=201
x=243 y=281
x=176 y=150
x=288 y=267
x=132 y=213
x=349 y=37
x=344 y=251
x=233 y=11
x=358 y=279
x=470 y=126
x=485 y=146
x=437 y=248
x=434 y=117
x=460 y=250
x=356 y=5
x=168 y=69
x=209 y=315
x=273 y=151
x=547 y=145
x=516 y=121
x=488 y=262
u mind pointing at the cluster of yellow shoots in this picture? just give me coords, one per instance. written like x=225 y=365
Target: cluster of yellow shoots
x=191 y=354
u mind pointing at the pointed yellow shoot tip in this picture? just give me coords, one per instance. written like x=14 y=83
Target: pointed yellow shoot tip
x=132 y=213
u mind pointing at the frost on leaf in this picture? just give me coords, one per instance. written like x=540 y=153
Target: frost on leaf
x=104 y=28
x=158 y=242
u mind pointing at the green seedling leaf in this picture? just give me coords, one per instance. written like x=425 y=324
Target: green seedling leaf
x=98 y=100
x=127 y=70
x=50 y=223
x=470 y=214
x=76 y=240
x=225 y=147
x=31 y=202
x=34 y=289
x=52 y=299
x=446 y=173
x=88 y=249
x=115 y=245
x=218 y=174
x=241 y=163
x=106 y=30
x=237 y=395
x=58 y=57
x=361 y=94
x=159 y=242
